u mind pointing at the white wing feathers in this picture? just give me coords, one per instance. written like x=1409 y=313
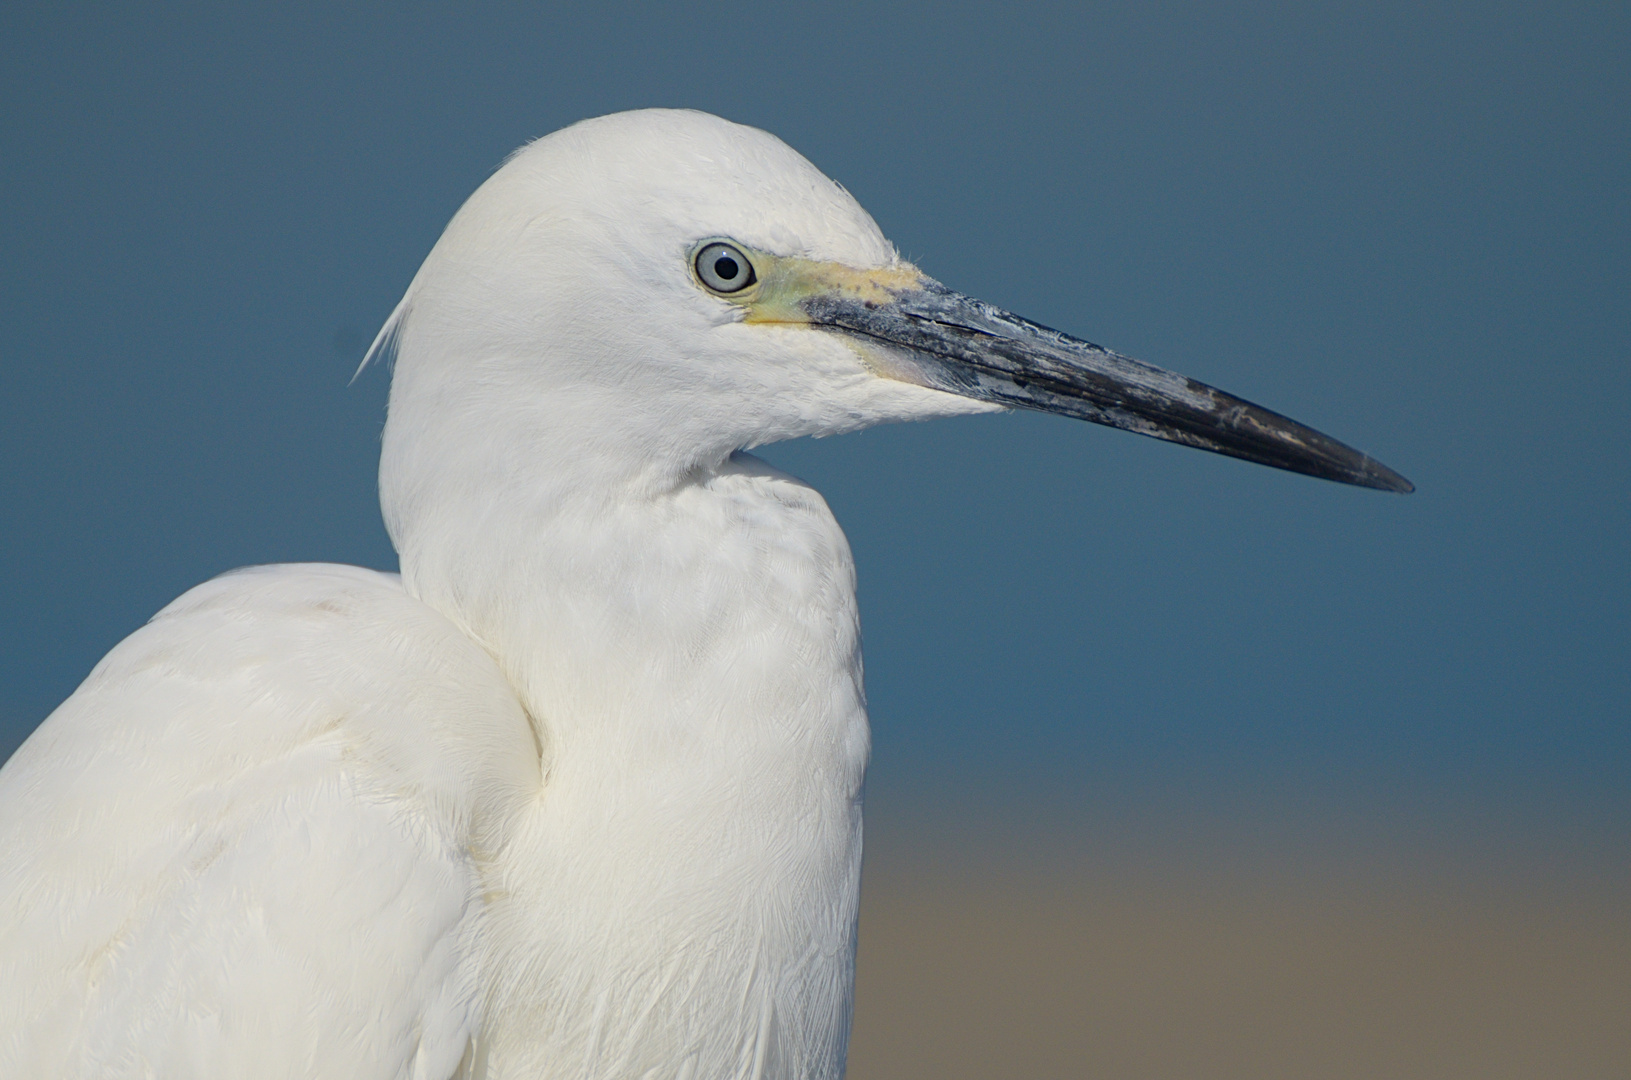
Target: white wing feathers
x=252 y=843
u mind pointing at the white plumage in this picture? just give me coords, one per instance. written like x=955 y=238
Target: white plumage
x=247 y=845
x=579 y=794
x=302 y=825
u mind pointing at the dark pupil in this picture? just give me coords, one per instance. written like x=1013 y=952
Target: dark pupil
x=726 y=268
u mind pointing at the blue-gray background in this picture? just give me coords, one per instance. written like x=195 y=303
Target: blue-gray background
x=1405 y=224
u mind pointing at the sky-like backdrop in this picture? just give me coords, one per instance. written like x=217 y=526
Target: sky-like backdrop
x=1405 y=224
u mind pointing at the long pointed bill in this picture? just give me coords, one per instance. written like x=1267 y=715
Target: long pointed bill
x=955 y=343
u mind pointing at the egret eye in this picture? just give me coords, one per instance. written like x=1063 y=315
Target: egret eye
x=724 y=268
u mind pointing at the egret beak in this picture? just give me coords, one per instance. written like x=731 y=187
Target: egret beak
x=964 y=346
x=915 y=329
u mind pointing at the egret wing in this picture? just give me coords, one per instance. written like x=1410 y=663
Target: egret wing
x=251 y=844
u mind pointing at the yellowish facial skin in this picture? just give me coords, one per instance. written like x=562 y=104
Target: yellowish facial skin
x=785 y=283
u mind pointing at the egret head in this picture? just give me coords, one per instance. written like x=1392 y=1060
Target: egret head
x=657 y=289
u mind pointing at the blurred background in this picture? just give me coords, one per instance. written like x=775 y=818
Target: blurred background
x=1183 y=767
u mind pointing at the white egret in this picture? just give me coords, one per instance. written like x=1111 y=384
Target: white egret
x=578 y=794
